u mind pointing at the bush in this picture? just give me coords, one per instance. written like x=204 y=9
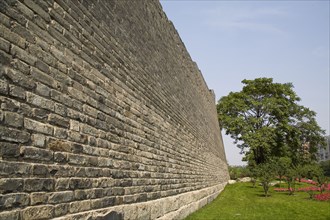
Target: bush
x=325 y=165
x=236 y=172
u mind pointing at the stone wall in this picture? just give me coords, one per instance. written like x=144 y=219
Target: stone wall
x=103 y=114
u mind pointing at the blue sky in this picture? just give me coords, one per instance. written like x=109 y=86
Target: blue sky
x=235 y=40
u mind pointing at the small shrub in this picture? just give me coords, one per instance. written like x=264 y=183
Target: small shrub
x=266 y=174
x=291 y=175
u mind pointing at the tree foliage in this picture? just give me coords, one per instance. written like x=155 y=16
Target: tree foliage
x=282 y=165
x=266 y=173
x=266 y=121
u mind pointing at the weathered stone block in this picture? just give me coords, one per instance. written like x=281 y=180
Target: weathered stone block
x=12 y=37
x=60 y=133
x=39 y=198
x=40 y=170
x=38 y=212
x=3 y=87
x=103 y=202
x=60 y=157
x=38 y=184
x=80 y=206
x=58 y=120
x=14 y=169
x=61 y=209
x=37 y=154
x=13 y=200
x=17 y=92
x=39 y=101
x=43 y=90
x=10 y=215
x=10 y=134
x=11 y=185
x=39 y=113
x=60 y=197
x=9 y=150
x=13 y=119
x=38 y=140
x=4 y=45
x=80 y=183
x=62 y=184
x=38 y=126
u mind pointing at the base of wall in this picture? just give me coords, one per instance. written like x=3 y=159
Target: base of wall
x=174 y=207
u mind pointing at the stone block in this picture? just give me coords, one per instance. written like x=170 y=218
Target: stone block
x=38 y=126
x=38 y=184
x=38 y=198
x=14 y=169
x=74 y=125
x=36 y=154
x=60 y=133
x=80 y=183
x=61 y=197
x=43 y=78
x=103 y=202
x=11 y=185
x=60 y=109
x=39 y=101
x=10 y=134
x=38 y=212
x=39 y=113
x=38 y=140
x=13 y=119
x=80 y=206
x=143 y=211
x=58 y=120
x=40 y=170
x=9 y=150
x=13 y=200
x=62 y=184
x=23 y=32
x=38 y=10
x=42 y=66
x=3 y=87
x=10 y=215
x=17 y=92
x=12 y=37
x=61 y=209
x=20 y=79
x=4 y=45
x=43 y=90
x=60 y=157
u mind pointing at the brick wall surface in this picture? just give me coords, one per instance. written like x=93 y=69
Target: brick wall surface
x=103 y=114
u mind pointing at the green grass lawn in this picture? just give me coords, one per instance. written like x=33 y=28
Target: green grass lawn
x=242 y=201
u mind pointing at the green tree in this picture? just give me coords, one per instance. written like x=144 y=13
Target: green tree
x=266 y=121
x=266 y=173
x=282 y=166
x=291 y=175
x=325 y=165
x=314 y=171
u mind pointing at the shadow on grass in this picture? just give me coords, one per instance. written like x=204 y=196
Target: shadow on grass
x=263 y=195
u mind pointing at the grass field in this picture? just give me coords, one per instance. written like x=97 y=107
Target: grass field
x=242 y=201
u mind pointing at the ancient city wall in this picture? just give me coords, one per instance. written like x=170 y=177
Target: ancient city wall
x=103 y=114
